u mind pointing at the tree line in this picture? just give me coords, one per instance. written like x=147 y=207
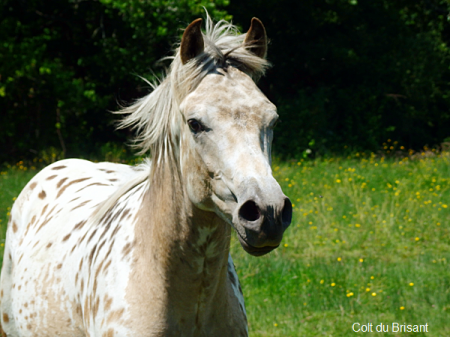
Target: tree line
x=346 y=73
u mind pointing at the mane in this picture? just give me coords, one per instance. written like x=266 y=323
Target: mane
x=156 y=117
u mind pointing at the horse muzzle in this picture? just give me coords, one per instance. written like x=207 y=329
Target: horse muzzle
x=260 y=226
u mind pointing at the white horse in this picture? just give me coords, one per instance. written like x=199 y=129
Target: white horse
x=103 y=249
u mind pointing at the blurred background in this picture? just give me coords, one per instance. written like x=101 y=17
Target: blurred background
x=347 y=75
x=363 y=92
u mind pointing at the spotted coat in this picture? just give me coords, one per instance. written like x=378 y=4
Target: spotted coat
x=59 y=269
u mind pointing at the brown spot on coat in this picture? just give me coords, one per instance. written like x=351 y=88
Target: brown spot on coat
x=74 y=199
x=44 y=209
x=98 y=270
x=127 y=249
x=58 y=185
x=91 y=256
x=99 y=184
x=86 y=307
x=14 y=227
x=104 y=232
x=66 y=237
x=96 y=305
x=81 y=205
x=49 y=245
x=51 y=211
x=42 y=195
x=5 y=317
x=90 y=238
x=113 y=234
x=109 y=333
x=79 y=225
x=124 y=214
x=61 y=191
x=43 y=224
x=82 y=239
x=98 y=250
x=58 y=167
x=109 y=250
x=33 y=185
x=30 y=224
x=115 y=315
x=108 y=302
x=51 y=177
x=117 y=214
x=107 y=265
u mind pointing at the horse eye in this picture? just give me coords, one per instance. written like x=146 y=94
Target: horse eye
x=195 y=125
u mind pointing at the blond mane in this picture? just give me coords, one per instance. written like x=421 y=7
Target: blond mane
x=156 y=117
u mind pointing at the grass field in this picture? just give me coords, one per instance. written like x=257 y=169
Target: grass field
x=369 y=243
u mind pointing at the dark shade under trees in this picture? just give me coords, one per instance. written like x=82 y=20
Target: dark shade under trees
x=356 y=73
x=346 y=73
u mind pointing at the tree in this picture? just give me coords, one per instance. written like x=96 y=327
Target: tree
x=66 y=64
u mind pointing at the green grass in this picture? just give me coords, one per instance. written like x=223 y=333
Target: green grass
x=369 y=243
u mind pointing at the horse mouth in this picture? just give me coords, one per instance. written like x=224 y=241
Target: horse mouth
x=255 y=251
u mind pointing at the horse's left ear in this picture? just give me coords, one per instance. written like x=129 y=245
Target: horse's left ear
x=192 y=43
x=256 y=36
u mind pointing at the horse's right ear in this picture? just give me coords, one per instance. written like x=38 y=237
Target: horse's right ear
x=192 y=43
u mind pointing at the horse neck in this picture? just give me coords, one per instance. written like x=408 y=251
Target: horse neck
x=182 y=254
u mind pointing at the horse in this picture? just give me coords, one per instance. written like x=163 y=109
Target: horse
x=105 y=249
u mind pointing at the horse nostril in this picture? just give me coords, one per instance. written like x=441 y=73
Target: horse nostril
x=286 y=214
x=250 y=211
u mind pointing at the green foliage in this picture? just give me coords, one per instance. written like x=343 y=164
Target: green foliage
x=65 y=64
x=345 y=72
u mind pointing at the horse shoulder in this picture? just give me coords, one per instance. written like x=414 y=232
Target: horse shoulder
x=48 y=237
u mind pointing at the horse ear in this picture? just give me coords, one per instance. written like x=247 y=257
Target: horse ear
x=192 y=43
x=257 y=37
